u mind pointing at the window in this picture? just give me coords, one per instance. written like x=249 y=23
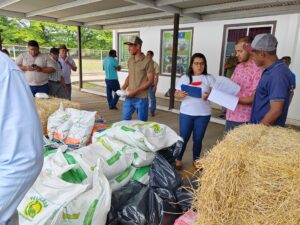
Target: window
x=185 y=38
x=123 y=54
x=232 y=33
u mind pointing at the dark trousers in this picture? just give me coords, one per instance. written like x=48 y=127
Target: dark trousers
x=39 y=89
x=112 y=86
x=197 y=125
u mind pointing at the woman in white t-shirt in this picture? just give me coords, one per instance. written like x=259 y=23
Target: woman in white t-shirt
x=195 y=112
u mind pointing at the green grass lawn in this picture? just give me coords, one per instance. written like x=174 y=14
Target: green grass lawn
x=90 y=65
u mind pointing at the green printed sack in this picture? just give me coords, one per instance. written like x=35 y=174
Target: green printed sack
x=114 y=156
x=142 y=175
x=92 y=206
x=147 y=136
x=122 y=179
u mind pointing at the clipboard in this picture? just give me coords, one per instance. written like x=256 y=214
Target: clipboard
x=195 y=92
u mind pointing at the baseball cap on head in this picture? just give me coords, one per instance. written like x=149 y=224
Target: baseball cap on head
x=263 y=42
x=135 y=40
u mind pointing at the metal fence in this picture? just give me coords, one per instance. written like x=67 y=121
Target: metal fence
x=15 y=50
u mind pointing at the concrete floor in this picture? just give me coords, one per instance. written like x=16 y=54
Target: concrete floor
x=93 y=102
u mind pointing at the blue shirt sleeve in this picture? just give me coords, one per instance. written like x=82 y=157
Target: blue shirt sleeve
x=280 y=86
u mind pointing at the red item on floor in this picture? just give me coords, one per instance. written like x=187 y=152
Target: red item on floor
x=188 y=218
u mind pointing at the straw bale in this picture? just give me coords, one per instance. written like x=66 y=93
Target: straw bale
x=45 y=107
x=251 y=177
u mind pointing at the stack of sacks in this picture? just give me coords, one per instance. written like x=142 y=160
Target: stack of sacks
x=251 y=177
x=134 y=142
x=45 y=107
x=67 y=191
x=71 y=126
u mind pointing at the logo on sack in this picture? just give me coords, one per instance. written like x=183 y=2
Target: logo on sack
x=35 y=206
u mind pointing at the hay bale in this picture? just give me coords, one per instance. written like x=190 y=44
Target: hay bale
x=45 y=107
x=251 y=177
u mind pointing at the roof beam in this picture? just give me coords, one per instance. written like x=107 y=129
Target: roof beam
x=104 y=12
x=61 y=7
x=166 y=8
x=249 y=13
x=157 y=22
x=130 y=19
x=170 y=2
x=232 y=5
x=7 y=3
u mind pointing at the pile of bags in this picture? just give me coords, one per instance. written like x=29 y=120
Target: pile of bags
x=125 y=176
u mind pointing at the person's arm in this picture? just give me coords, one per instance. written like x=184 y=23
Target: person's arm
x=71 y=64
x=150 y=76
x=48 y=70
x=126 y=83
x=156 y=78
x=276 y=108
x=246 y=100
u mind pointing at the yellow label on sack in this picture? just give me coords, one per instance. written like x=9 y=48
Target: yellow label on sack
x=35 y=206
x=107 y=146
x=156 y=128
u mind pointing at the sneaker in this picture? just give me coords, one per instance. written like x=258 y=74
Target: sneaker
x=152 y=114
x=113 y=107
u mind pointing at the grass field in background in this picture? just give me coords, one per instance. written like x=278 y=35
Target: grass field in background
x=90 y=65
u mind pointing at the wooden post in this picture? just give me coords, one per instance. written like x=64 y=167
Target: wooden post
x=79 y=57
x=174 y=60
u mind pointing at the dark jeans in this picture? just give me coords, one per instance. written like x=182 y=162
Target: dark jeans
x=39 y=89
x=197 y=125
x=112 y=86
x=138 y=104
x=230 y=125
x=69 y=91
x=152 y=99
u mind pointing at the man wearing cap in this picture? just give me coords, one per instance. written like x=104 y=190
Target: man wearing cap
x=68 y=65
x=21 y=140
x=271 y=100
x=140 y=77
x=57 y=86
x=247 y=75
x=36 y=67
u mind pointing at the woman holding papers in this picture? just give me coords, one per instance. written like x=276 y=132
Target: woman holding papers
x=195 y=110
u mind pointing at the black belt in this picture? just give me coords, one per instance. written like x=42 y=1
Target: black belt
x=52 y=81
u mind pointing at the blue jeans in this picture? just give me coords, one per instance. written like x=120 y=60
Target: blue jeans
x=197 y=125
x=230 y=125
x=138 y=104
x=152 y=99
x=112 y=86
x=39 y=89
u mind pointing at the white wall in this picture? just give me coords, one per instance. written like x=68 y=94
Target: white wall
x=207 y=39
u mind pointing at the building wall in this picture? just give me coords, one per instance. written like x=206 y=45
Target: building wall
x=208 y=37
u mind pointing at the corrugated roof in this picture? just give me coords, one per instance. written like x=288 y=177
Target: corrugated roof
x=111 y=14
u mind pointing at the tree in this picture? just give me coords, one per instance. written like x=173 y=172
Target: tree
x=20 y=31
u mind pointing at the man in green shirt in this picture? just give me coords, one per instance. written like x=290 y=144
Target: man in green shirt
x=140 y=77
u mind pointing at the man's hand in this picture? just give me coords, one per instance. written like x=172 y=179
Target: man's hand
x=131 y=94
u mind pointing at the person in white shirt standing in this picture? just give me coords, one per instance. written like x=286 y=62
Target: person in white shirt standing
x=21 y=140
x=68 y=65
x=195 y=112
x=36 y=67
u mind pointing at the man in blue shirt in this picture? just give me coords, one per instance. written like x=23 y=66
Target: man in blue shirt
x=111 y=66
x=271 y=100
x=21 y=143
x=287 y=61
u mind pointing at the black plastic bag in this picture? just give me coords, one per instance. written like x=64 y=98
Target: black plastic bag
x=145 y=208
x=171 y=153
x=120 y=198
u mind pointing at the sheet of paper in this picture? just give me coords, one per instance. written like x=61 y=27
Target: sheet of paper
x=226 y=85
x=221 y=98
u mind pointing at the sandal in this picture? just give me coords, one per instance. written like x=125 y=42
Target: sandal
x=178 y=165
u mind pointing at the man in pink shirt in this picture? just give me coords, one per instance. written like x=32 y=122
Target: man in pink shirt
x=246 y=74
